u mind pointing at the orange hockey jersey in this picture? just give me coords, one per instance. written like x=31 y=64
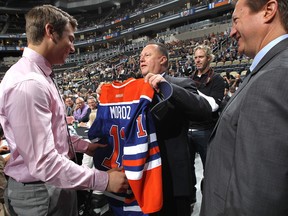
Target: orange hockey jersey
x=125 y=123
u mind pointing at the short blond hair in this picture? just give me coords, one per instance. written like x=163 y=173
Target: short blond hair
x=207 y=51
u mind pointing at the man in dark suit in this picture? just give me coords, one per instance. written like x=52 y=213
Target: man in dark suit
x=246 y=165
x=172 y=123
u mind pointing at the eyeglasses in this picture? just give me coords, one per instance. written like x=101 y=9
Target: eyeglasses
x=93 y=102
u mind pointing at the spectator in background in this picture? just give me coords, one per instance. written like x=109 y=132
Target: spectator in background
x=90 y=116
x=42 y=178
x=172 y=128
x=246 y=167
x=92 y=111
x=211 y=86
x=69 y=105
x=236 y=81
x=80 y=110
x=226 y=78
x=225 y=100
x=67 y=91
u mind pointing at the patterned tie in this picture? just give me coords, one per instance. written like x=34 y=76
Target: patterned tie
x=71 y=147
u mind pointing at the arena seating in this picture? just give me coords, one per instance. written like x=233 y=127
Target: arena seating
x=180 y=41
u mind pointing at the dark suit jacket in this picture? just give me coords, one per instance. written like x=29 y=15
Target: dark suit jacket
x=247 y=161
x=172 y=128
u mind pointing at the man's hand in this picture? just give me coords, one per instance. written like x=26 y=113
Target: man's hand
x=118 y=183
x=92 y=148
x=82 y=124
x=77 y=107
x=154 y=80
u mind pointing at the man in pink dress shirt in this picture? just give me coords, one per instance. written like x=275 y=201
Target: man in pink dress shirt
x=32 y=113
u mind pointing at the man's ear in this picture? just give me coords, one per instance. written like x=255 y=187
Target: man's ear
x=163 y=60
x=270 y=10
x=49 y=30
x=209 y=58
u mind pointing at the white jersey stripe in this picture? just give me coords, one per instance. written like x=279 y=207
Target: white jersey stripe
x=126 y=102
x=140 y=148
x=133 y=150
x=132 y=208
x=153 y=137
x=148 y=166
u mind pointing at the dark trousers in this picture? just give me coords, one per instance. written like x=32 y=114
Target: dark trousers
x=198 y=142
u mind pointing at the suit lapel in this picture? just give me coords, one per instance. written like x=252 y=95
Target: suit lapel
x=246 y=80
x=269 y=55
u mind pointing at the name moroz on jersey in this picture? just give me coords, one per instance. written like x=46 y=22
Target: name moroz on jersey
x=124 y=122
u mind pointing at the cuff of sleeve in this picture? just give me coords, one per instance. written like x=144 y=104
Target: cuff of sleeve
x=101 y=180
x=79 y=144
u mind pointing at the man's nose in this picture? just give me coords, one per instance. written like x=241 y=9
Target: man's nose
x=72 y=49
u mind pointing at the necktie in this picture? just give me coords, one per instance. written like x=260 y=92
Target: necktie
x=71 y=147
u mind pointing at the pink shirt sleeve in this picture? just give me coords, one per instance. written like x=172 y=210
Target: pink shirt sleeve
x=37 y=133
